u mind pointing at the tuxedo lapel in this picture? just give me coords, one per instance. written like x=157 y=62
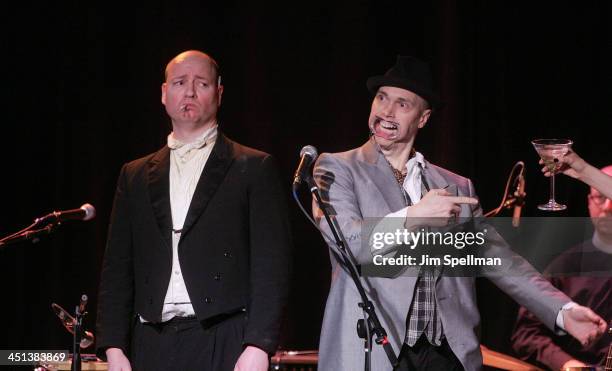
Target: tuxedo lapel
x=213 y=174
x=158 y=179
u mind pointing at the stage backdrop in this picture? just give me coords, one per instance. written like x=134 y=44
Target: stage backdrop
x=81 y=96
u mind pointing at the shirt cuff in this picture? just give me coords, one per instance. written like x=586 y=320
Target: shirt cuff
x=559 y=322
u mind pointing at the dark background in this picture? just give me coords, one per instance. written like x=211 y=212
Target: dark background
x=81 y=96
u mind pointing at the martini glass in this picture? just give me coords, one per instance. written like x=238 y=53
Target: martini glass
x=551 y=151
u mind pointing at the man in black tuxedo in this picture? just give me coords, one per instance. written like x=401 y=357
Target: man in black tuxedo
x=197 y=260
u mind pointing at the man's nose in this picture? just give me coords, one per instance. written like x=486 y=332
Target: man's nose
x=387 y=110
x=191 y=90
x=607 y=205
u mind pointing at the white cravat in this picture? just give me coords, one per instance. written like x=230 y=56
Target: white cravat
x=187 y=160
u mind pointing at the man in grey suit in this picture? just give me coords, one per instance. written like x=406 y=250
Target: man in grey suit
x=431 y=318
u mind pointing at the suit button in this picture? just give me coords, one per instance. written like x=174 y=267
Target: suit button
x=217 y=276
x=150 y=300
x=227 y=254
x=208 y=300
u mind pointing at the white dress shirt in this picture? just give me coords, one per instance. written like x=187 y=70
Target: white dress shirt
x=187 y=160
x=412 y=183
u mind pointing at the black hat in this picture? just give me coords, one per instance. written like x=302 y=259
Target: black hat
x=411 y=74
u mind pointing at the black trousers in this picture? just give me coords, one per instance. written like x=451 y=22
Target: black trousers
x=185 y=344
x=425 y=356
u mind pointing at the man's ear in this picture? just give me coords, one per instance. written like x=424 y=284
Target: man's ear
x=163 y=93
x=424 y=118
x=220 y=93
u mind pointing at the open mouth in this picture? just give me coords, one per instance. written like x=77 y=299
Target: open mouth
x=385 y=129
x=388 y=125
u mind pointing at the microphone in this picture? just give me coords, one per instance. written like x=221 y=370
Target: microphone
x=519 y=200
x=85 y=212
x=82 y=304
x=68 y=322
x=308 y=155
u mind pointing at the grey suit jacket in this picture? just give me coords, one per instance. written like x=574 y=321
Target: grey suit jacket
x=359 y=184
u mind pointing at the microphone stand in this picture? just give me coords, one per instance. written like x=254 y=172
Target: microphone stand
x=47 y=223
x=509 y=201
x=68 y=323
x=39 y=227
x=30 y=233
x=79 y=313
x=371 y=326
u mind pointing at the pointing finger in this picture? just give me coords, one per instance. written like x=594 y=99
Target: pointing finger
x=463 y=200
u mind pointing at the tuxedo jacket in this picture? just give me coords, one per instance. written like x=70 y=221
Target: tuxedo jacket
x=234 y=248
x=359 y=184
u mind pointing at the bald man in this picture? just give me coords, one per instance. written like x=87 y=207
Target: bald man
x=196 y=264
x=584 y=273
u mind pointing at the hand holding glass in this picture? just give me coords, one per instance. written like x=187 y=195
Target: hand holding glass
x=550 y=151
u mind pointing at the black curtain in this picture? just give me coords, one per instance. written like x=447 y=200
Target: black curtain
x=81 y=96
